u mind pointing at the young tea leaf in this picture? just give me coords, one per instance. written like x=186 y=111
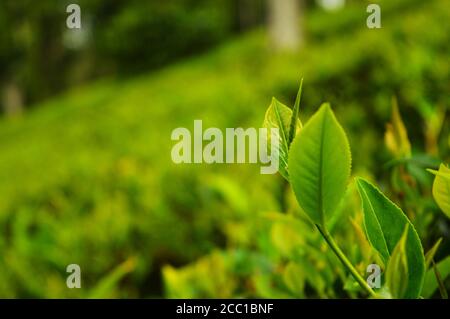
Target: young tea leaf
x=384 y=224
x=441 y=188
x=279 y=116
x=319 y=165
x=430 y=254
x=294 y=118
x=396 y=136
x=397 y=268
x=294 y=279
x=110 y=281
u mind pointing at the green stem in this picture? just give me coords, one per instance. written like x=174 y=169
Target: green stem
x=327 y=236
x=441 y=285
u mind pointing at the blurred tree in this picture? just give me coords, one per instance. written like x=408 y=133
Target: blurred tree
x=12 y=99
x=32 y=55
x=39 y=56
x=250 y=13
x=285 y=24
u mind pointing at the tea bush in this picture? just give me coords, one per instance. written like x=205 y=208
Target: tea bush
x=317 y=164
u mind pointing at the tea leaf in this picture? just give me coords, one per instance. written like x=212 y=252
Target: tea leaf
x=430 y=283
x=286 y=238
x=294 y=118
x=109 y=282
x=363 y=244
x=319 y=165
x=396 y=136
x=441 y=284
x=384 y=223
x=279 y=116
x=397 y=268
x=430 y=254
x=441 y=188
x=294 y=279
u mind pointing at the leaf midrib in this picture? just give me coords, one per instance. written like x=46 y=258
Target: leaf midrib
x=281 y=126
x=320 y=193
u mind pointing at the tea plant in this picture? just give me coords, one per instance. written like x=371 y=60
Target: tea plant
x=316 y=161
x=441 y=188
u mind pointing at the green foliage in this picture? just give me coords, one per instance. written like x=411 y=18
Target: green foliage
x=280 y=116
x=384 y=223
x=174 y=29
x=123 y=37
x=106 y=285
x=295 y=260
x=396 y=136
x=398 y=267
x=431 y=253
x=86 y=177
x=294 y=278
x=430 y=283
x=319 y=179
x=211 y=275
x=294 y=118
x=441 y=188
x=319 y=165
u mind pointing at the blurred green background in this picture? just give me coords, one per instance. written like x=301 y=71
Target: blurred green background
x=86 y=175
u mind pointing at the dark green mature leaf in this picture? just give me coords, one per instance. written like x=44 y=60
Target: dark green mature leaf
x=319 y=165
x=384 y=223
x=279 y=116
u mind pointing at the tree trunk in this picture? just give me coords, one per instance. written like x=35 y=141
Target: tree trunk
x=284 y=24
x=12 y=99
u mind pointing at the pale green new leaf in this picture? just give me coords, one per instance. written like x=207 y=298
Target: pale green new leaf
x=294 y=118
x=109 y=283
x=279 y=116
x=384 y=224
x=319 y=165
x=396 y=136
x=397 y=268
x=294 y=279
x=441 y=188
